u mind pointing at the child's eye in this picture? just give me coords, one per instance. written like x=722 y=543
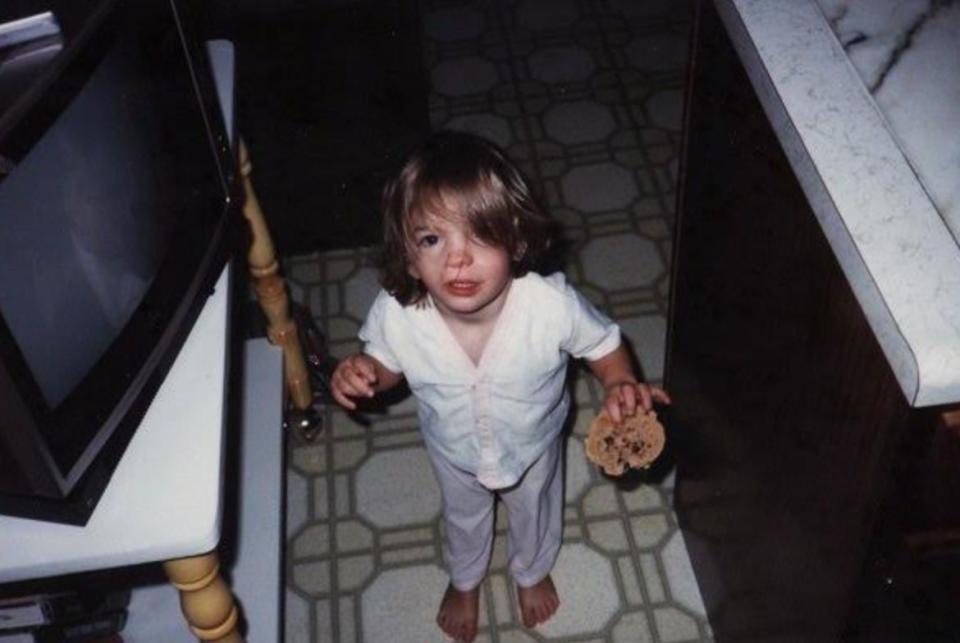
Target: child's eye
x=428 y=240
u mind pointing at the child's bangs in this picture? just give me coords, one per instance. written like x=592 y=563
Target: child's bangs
x=482 y=203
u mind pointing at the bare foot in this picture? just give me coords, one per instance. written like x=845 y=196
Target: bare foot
x=538 y=602
x=459 y=612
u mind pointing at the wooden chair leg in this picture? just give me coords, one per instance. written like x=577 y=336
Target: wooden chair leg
x=205 y=599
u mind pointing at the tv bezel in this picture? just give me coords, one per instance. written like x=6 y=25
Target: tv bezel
x=117 y=391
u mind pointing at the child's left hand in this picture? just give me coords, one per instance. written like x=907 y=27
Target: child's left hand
x=624 y=397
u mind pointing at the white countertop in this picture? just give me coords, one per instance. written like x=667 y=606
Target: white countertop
x=880 y=217
x=908 y=55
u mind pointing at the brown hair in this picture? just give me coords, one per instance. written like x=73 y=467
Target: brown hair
x=489 y=191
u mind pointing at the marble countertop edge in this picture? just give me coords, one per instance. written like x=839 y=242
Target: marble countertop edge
x=900 y=258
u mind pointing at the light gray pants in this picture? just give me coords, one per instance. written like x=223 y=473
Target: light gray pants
x=535 y=510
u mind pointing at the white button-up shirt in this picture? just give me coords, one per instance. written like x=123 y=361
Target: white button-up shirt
x=494 y=418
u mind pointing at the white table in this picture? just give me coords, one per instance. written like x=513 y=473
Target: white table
x=164 y=501
x=256 y=577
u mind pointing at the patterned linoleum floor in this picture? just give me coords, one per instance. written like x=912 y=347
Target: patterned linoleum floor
x=587 y=96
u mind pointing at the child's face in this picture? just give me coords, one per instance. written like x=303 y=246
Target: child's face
x=465 y=276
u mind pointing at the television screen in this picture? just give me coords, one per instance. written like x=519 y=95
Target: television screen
x=114 y=206
x=92 y=241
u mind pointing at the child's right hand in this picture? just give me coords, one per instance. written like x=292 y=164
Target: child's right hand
x=355 y=376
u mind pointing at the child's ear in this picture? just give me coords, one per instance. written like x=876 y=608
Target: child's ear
x=520 y=251
x=412 y=271
x=522 y=246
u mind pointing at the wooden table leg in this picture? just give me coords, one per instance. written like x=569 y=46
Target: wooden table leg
x=272 y=291
x=205 y=599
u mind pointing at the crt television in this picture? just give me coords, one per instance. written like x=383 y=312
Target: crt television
x=117 y=207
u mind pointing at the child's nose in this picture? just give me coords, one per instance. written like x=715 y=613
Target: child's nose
x=460 y=254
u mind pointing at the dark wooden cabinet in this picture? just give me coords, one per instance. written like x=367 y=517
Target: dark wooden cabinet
x=798 y=453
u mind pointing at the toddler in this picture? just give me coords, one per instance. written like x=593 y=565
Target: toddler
x=483 y=343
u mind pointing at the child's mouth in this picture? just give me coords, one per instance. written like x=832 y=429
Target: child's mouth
x=462 y=288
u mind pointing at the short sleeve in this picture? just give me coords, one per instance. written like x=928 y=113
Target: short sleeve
x=592 y=334
x=374 y=336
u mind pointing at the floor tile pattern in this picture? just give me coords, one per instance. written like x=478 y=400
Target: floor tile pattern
x=586 y=96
